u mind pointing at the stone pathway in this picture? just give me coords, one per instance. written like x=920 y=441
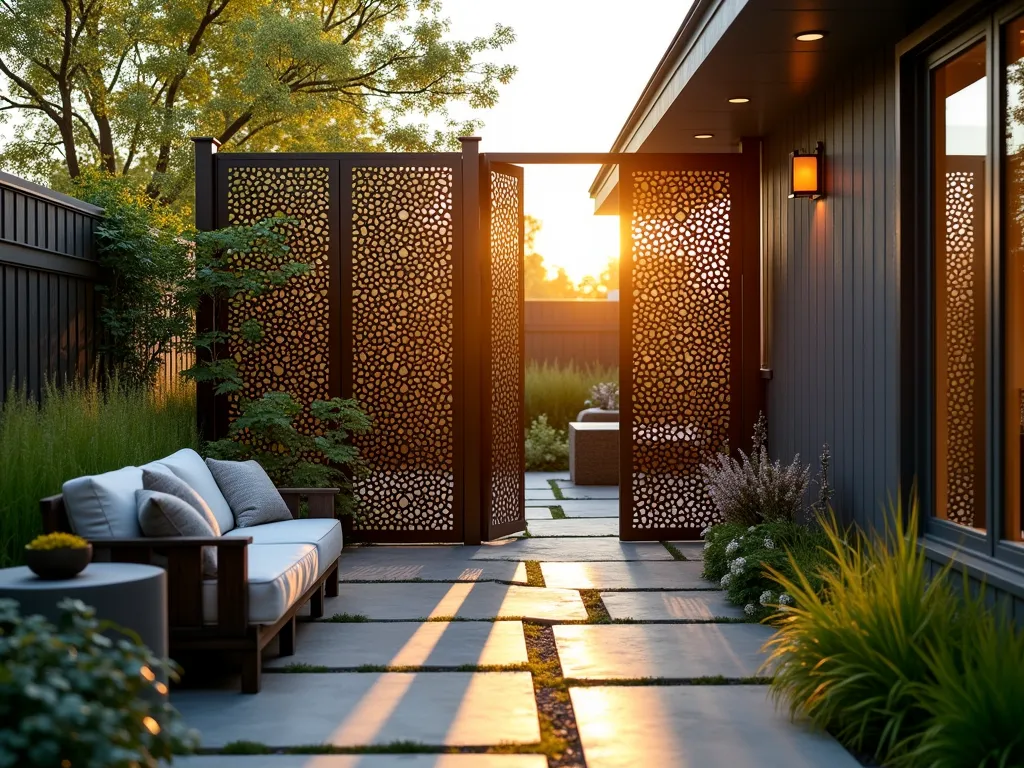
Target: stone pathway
x=557 y=647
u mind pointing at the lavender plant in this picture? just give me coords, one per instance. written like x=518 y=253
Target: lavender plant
x=755 y=489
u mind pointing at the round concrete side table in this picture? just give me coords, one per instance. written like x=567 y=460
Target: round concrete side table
x=131 y=596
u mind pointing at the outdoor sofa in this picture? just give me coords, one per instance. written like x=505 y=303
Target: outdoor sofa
x=264 y=573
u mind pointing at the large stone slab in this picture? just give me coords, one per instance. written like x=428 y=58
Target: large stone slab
x=670 y=606
x=411 y=602
x=584 y=507
x=577 y=526
x=572 y=491
x=674 y=574
x=533 y=478
x=407 y=644
x=582 y=549
x=539 y=494
x=363 y=761
x=452 y=563
x=361 y=709
x=697 y=726
x=538 y=513
x=672 y=651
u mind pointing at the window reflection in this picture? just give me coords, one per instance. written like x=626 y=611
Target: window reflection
x=1013 y=212
x=960 y=126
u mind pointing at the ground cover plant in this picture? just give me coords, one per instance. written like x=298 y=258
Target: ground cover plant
x=560 y=392
x=78 y=430
x=72 y=696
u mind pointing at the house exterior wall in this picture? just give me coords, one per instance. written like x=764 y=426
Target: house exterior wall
x=832 y=288
x=832 y=313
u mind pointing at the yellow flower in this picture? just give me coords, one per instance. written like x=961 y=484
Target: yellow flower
x=58 y=541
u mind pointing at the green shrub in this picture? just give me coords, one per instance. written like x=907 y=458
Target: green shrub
x=849 y=656
x=738 y=558
x=560 y=392
x=975 y=699
x=69 y=695
x=547 y=448
x=265 y=431
x=80 y=430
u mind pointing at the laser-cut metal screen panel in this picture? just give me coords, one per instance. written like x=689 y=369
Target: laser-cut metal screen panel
x=403 y=280
x=960 y=346
x=681 y=340
x=294 y=354
x=504 y=351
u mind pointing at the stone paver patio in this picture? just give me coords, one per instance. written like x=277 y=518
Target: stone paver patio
x=389 y=670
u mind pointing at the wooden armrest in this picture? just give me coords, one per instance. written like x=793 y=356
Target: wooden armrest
x=319 y=500
x=175 y=542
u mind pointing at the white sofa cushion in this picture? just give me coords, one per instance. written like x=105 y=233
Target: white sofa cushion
x=278 y=576
x=324 y=534
x=189 y=466
x=103 y=506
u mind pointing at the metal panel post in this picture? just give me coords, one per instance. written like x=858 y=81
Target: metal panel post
x=472 y=307
x=206 y=316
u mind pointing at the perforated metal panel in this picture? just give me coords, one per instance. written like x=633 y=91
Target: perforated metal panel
x=503 y=358
x=403 y=351
x=294 y=354
x=680 y=328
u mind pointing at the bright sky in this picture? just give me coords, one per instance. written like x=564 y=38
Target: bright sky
x=582 y=65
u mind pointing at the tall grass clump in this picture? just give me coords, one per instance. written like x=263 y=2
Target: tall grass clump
x=975 y=700
x=560 y=392
x=80 y=429
x=849 y=655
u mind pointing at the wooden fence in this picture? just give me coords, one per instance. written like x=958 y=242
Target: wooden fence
x=47 y=274
x=581 y=331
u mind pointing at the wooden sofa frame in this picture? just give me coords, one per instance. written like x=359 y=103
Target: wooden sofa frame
x=182 y=558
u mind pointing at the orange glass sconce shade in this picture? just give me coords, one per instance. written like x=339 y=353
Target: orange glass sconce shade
x=807 y=173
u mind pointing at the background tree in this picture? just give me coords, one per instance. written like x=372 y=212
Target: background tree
x=122 y=84
x=542 y=285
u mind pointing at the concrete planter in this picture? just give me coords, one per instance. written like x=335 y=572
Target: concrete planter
x=597 y=414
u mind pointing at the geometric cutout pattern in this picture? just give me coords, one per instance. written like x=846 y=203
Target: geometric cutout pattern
x=506 y=443
x=681 y=331
x=961 y=342
x=403 y=345
x=294 y=353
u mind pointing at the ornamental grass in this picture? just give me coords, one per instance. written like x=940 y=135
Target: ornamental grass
x=76 y=430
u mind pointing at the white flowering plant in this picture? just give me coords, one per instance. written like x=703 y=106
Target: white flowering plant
x=736 y=557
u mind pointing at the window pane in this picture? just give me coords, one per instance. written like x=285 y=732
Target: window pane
x=1013 y=211
x=960 y=125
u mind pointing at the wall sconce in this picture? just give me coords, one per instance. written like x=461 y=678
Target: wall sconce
x=807 y=173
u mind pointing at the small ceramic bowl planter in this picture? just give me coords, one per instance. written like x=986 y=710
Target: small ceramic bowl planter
x=58 y=556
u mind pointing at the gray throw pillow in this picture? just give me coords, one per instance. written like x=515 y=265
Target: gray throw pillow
x=162 y=515
x=175 y=486
x=250 y=492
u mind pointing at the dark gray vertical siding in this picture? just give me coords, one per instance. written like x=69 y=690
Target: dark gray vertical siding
x=834 y=297
x=833 y=290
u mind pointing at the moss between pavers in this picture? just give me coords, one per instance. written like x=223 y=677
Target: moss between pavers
x=556 y=490
x=557 y=513
x=673 y=550
x=346 y=618
x=597 y=613
x=534 y=574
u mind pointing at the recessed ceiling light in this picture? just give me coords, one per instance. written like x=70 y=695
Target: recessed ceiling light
x=739 y=100
x=810 y=36
x=704 y=136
